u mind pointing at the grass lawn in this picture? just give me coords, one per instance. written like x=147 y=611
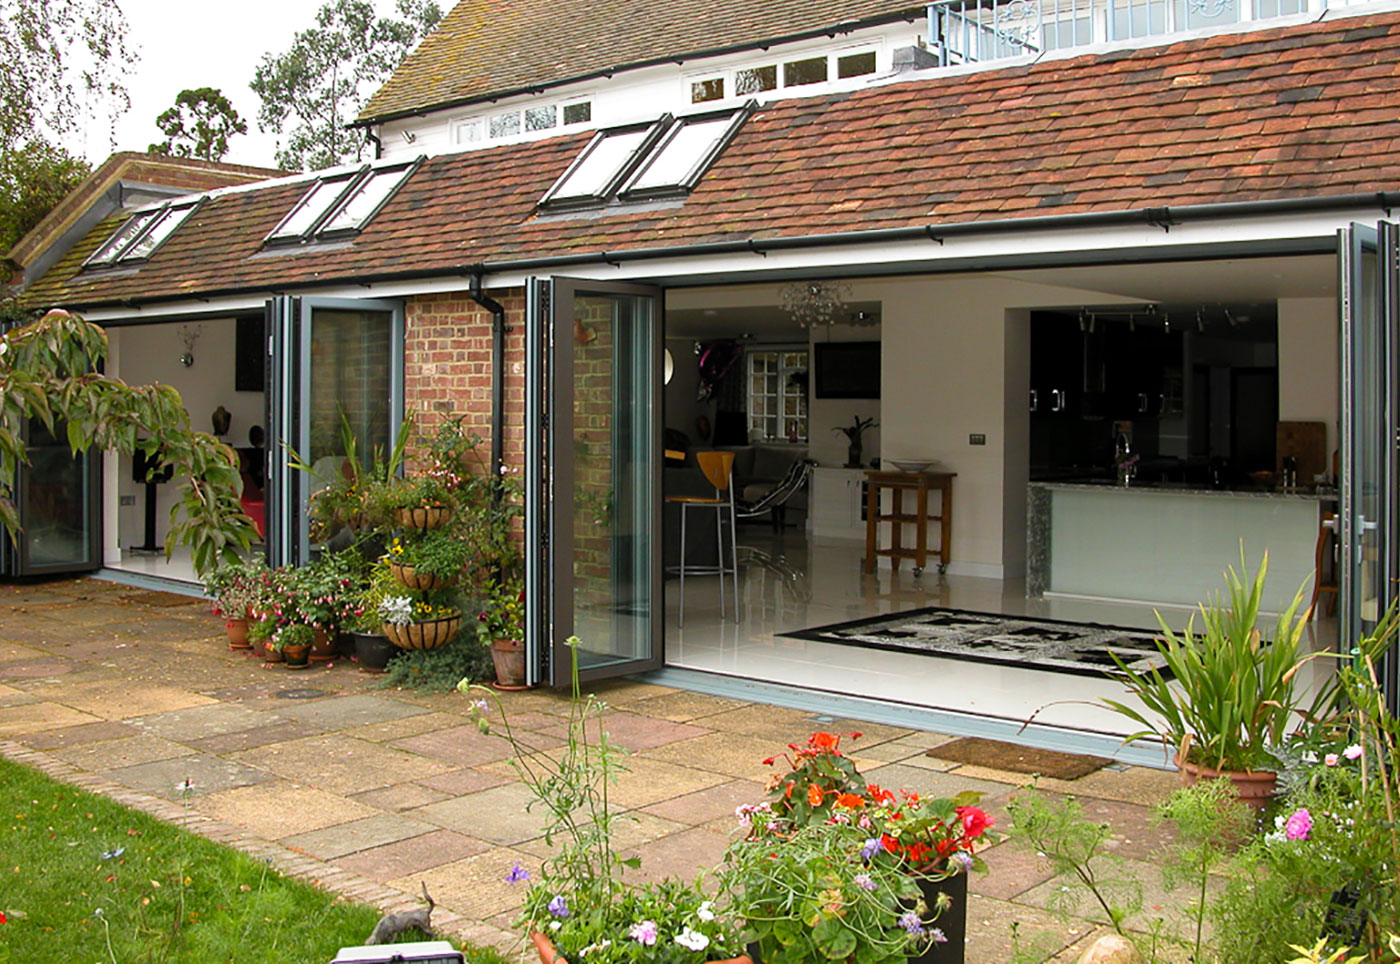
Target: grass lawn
x=84 y=880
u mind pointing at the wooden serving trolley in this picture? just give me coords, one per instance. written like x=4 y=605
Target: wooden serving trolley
x=920 y=484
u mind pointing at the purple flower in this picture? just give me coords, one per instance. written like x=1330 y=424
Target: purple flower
x=938 y=936
x=961 y=859
x=871 y=848
x=1299 y=825
x=518 y=873
x=644 y=932
x=863 y=881
x=911 y=923
x=558 y=906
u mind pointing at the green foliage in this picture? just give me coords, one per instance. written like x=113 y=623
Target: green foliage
x=1233 y=696
x=294 y=634
x=237 y=586
x=1210 y=820
x=61 y=63
x=439 y=670
x=502 y=614
x=1078 y=853
x=438 y=552
x=199 y=125
x=50 y=370
x=33 y=179
x=314 y=89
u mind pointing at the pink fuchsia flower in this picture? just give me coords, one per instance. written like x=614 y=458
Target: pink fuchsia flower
x=644 y=932
x=1331 y=759
x=1299 y=825
x=1352 y=752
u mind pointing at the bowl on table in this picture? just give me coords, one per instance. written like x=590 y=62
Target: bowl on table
x=913 y=465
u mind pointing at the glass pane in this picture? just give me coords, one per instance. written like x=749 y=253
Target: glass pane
x=122 y=237
x=56 y=502
x=856 y=65
x=1056 y=34
x=686 y=149
x=540 y=118
x=316 y=202
x=162 y=229
x=504 y=125
x=578 y=113
x=614 y=459
x=703 y=90
x=1368 y=407
x=1188 y=15
x=799 y=72
x=367 y=199
x=1142 y=19
x=602 y=162
x=754 y=79
x=468 y=133
x=350 y=380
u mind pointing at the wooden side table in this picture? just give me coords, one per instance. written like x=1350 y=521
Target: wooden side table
x=920 y=484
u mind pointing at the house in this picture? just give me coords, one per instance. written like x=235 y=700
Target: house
x=1127 y=270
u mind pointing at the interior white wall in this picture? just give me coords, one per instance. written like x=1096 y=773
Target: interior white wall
x=826 y=415
x=1307 y=363
x=149 y=354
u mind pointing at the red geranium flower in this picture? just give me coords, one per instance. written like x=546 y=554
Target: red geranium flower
x=975 y=821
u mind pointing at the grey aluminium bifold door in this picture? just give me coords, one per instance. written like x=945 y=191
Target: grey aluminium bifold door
x=593 y=478
x=1369 y=308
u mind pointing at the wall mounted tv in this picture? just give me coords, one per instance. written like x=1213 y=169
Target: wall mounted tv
x=846 y=369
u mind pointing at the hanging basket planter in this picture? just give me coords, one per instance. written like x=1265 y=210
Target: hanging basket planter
x=423 y=517
x=425 y=635
x=411 y=578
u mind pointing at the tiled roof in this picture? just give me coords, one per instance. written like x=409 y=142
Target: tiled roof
x=492 y=47
x=1302 y=111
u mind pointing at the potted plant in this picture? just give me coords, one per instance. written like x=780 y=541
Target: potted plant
x=236 y=588
x=1234 y=697
x=325 y=594
x=426 y=622
x=294 y=642
x=501 y=626
x=260 y=638
x=373 y=650
x=577 y=907
x=413 y=502
x=428 y=559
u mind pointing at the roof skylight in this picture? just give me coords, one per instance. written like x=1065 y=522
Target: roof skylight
x=139 y=237
x=340 y=204
x=667 y=156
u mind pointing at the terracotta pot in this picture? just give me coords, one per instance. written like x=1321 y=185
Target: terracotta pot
x=423 y=517
x=411 y=578
x=237 y=630
x=296 y=657
x=270 y=654
x=322 y=646
x=1255 y=788
x=509 y=657
x=548 y=955
x=426 y=635
x=373 y=651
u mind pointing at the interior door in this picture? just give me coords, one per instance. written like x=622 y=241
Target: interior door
x=59 y=496
x=593 y=478
x=1368 y=517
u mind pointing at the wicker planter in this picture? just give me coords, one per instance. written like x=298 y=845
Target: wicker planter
x=411 y=578
x=423 y=517
x=237 y=630
x=425 y=635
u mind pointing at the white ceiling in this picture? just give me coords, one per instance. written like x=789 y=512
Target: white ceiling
x=1228 y=281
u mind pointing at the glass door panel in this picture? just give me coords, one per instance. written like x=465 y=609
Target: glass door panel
x=58 y=504
x=597 y=477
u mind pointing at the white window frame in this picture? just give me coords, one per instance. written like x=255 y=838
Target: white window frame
x=757 y=432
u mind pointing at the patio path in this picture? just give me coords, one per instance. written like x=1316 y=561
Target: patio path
x=369 y=792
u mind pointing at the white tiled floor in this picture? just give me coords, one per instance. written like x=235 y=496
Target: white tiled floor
x=784 y=586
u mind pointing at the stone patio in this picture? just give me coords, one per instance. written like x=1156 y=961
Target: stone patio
x=370 y=792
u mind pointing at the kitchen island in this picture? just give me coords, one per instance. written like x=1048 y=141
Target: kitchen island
x=1166 y=544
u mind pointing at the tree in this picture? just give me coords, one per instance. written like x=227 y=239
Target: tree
x=50 y=370
x=33 y=179
x=320 y=84
x=59 y=60
x=199 y=125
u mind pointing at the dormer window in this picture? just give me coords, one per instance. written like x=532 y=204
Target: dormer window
x=340 y=204
x=639 y=161
x=136 y=240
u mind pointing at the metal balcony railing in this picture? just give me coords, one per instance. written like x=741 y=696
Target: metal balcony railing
x=972 y=31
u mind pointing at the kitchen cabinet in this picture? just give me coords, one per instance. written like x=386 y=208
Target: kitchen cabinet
x=838 y=503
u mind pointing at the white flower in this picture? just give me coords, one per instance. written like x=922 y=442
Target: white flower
x=397 y=610
x=706 y=911
x=185 y=786
x=692 y=940
x=554 y=925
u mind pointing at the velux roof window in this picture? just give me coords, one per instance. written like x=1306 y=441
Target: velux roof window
x=136 y=240
x=339 y=205
x=659 y=159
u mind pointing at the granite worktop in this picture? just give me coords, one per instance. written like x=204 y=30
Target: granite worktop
x=1311 y=493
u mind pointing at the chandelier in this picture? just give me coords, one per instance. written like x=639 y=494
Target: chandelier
x=814 y=303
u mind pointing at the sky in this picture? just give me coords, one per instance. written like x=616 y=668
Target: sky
x=201 y=44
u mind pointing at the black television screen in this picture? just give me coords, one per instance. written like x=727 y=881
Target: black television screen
x=846 y=369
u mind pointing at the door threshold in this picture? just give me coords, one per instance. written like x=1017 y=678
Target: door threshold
x=828 y=704
x=144 y=580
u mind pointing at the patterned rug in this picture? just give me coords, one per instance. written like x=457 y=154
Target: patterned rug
x=1045 y=644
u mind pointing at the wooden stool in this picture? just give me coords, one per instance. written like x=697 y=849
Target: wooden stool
x=1326 y=544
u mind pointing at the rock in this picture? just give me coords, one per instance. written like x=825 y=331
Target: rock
x=1112 y=949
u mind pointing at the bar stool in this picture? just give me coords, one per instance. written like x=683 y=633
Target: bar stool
x=1325 y=552
x=719 y=470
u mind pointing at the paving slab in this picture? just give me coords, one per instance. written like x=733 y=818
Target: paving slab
x=339 y=763
x=496 y=815
x=77 y=735
x=930 y=783
x=475 y=886
x=1133 y=785
x=119 y=699
x=125 y=752
x=1004 y=931
x=648 y=781
x=227 y=743
x=37 y=667
x=461 y=746
x=718 y=802
x=281 y=808
x=211 y=719
x=1013 y=868
x=1158 y=903
x=14 y=652
x=400 y=796
x=630 y=831
x=456 y=783
x=208 y=774
x=16 y=721
x=634 y=732
x=407 y=726
x=343 y=712
x=412 y=855
x=777 y=725
x=683 y=854
x=357 y=835
x=10 y=696
x=683 y=706
x=732 y=754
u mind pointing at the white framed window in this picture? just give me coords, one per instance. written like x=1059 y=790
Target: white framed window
x=576 y=112
x=705 y=89
x=777 y=394
x=471 y=131
x=141 y=234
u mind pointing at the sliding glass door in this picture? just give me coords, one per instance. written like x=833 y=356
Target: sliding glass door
x=593 y=462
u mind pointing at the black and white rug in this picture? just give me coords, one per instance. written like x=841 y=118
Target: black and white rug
x=1045 y=644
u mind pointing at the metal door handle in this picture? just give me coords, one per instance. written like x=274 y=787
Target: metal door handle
x=1363 y=525
x=1035 y=400
x=1142 y=403
x=1057 y=400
